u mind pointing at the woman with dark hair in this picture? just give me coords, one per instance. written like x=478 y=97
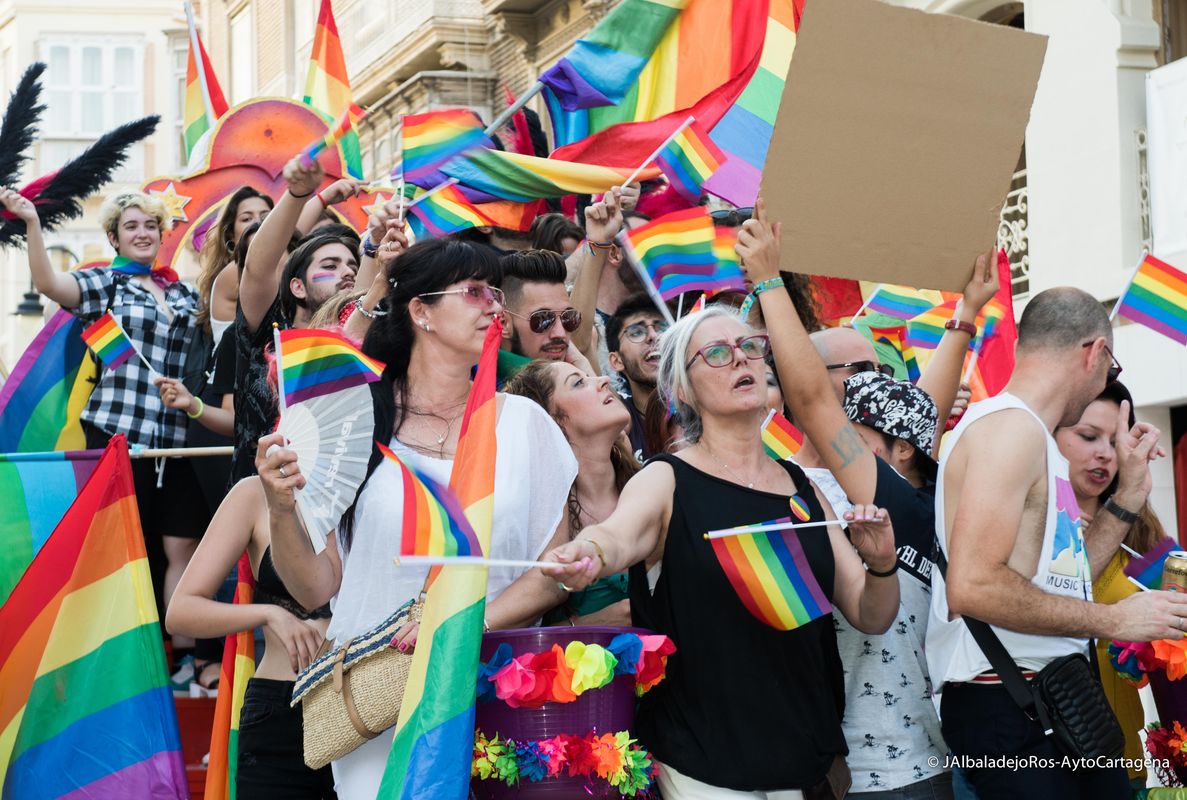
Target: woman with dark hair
x=218 y=297
x=593 y=419
x=443 y=300
x=557 y=233
x=1113 y=476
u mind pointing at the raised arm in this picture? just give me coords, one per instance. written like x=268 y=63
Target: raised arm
x=603 y=221
x=337 y=192
x=57 y=286
x=806 y=385
x=379 y=225
x=261 y=272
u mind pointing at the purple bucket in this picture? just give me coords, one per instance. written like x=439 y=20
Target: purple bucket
x=606 y=710
x=1169 y=696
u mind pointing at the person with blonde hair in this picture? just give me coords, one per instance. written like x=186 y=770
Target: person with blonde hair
x=158 y=313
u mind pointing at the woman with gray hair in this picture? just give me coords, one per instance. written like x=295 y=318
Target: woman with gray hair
x=752 y=705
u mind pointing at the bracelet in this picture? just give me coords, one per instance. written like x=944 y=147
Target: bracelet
x=962 y=326
x=1123 y=514
x=769 y=283
x=369 y=247
x=595 y=246
x=299 y=196
x=321 y=199
x=202 y=410
x=598 y=549
x=373 y=313
x=870 y=570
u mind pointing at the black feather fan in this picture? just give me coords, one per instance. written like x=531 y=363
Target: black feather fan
x=20 y=124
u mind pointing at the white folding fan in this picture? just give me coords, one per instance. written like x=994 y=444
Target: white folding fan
x=331 y=435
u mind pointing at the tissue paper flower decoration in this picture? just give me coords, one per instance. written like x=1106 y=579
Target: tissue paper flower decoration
x=613 y=757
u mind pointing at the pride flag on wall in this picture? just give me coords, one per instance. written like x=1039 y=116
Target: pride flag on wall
x=1157 y=298
x=86 y=709
x=327 y=86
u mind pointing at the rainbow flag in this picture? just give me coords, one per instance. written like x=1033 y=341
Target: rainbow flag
x=927 y=329
x=336 y=134
x=1157 y=298
x=725 y=242
x=689 y=160
x=239 y=664
x=679 y=252
x=204 y=101
x=86 y=709
x=771 y=575
x=897 y=339
x=433 y=746
x=46 y=391
x=512 y=176
x=434 y=523
x=314 y=362
x=443 y=212
x=435 y=137
x=108 y=342
x=780 y=438
x=327 y=86
x=1147 y=568
x=37 y=489
x=902 y=302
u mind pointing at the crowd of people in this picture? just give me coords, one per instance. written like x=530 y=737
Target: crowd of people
x=621 y=441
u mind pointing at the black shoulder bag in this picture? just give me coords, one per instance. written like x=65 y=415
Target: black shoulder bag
x=1065 y=697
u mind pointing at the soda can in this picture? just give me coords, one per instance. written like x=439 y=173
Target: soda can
x=1174 y=572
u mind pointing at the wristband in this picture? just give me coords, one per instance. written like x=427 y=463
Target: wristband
x=595 y=246
x=202 y=410
x=1123 y=514
x=871 y=571
x=962 y=326
x=299 y=196
x=369 y=248
x=769 y=283
x=321 y=199
x=598 y=549
x=373 y=313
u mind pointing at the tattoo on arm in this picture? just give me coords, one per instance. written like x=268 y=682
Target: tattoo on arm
x=847 y=445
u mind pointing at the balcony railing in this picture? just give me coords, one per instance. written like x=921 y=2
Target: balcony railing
x=1013 y=235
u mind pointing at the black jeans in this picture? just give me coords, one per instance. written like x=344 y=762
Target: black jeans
x=983 y=720
x=271 y=750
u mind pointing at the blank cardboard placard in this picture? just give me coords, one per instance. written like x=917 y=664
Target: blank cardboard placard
x=896 y=140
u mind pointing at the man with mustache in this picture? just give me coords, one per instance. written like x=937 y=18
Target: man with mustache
x=541 y=317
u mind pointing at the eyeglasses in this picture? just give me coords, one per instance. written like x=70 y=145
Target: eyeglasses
x=864 y=366
x=476 y=295
x=731 y=217
x=637 y=332
x=1114 y=368
x=540 y=321
x=721 y=354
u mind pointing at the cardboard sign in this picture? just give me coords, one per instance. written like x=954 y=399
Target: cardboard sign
x=896 y=141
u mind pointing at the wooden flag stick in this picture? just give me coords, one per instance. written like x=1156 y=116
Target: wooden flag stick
x=767 y=528
x=691 y=119
x=473 y=561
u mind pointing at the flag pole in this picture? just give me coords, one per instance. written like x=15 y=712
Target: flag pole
x=972 y=365
x=473 y=561
x=279 y=369
x=1128 y=284
x=680 y=306
x=400 y=194
x=768 y=527
x=428 y=194
x=867 y=302
x=199 y=65
x=511 y=110
x=652 y=289
x=691 y=119
x=135 y=349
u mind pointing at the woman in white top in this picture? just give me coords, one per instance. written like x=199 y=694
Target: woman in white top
x=218 y=292
x=442 y=302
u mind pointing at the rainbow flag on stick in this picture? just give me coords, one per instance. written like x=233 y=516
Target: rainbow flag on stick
x=204 y=101
x=433 y=746
x=239 y=664
x=771 y=576
x=780 y=438
x=86 y=709
x=314 y=362
x=434 y=138
x=341 y=128
x=1157 y=298
x=442 y=212
x=902 y=302
x=679 y=253
x=689 y=159
x=107 y=340
x=434 y=523
x=327 y=87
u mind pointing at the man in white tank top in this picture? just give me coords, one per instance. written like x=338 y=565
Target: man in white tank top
x=1008 y=523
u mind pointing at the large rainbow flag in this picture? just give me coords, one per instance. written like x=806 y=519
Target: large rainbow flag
x=204 y=101
x=434 y=523
x=443 y=212
x=512 y=176
x=433 y=138
x=327 y=86
x=433 y=746
x=679 y=253
x=239 y=664
x=1157 y=298
x=86 y=709
x=37 y=489
x=314 y=362
x=46 y=391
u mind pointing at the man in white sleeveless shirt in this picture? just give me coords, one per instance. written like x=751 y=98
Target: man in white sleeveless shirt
x=1008 y=523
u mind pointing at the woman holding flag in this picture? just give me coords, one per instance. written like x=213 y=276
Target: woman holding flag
x=443 y=300
x=755 y=694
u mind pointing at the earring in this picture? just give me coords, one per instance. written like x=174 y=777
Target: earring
x=424 y=325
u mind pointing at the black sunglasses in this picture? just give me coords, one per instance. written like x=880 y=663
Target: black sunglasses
x=864 y=366
x=1114 y=368
x=731 y=217
x=540 y=321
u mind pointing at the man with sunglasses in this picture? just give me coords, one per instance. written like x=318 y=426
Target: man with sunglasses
x=541 y=317
x=632 y=339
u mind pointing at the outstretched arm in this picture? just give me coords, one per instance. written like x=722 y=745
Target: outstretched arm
x=59 y=287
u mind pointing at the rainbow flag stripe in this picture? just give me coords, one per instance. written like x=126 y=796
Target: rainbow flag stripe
x=897 y=339
x=203 y=95
x=433 y=138
x=927 y=329
x=108 y=341
x=434 y=523
x=444 y=212
x=799 y=509
x=47 y=390
x=679 y=252
x=315 y=362
x=1157 y=298
x=1147 y=569
x=327 y=85
x=725 y=240
x=780 y=438
x=433 y=747
x=689 y=160
x=239 y=664
x=512 y=176
x=86 y=709
x=902 y=302
x=771 y=575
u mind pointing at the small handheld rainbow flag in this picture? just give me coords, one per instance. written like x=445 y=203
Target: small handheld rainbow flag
x=771 y=575
x=902 y=302
x=314 y=362
x=689 y=159
x=679 y=253
x=342 y=127
x=1157 y=298
x=442 y=212
x=898 y=339
x=434 y=523
x=780 y=438
x=107 y=340
x=433 y=138
x=1146 y=568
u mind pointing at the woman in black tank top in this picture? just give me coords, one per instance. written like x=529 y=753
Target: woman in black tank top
x=746 y=706
x=271 y=748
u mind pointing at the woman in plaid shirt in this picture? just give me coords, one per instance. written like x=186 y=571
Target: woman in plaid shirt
x=158 y=312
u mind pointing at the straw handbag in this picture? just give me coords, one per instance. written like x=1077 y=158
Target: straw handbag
x=353 y=692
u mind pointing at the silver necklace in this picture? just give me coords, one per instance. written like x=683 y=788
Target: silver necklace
x=737 y=477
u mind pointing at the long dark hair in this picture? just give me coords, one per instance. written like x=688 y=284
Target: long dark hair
x=218 y=250
x=429 y=266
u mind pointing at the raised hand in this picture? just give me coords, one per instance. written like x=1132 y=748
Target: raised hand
x=603 y=220
x=340 y=190
x=394 y=242
x=18 y=205
x=302 y=177
x=758 y=245
x=983 y=283
x=174 y=394
x=280 y=475
x=1136 y=447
